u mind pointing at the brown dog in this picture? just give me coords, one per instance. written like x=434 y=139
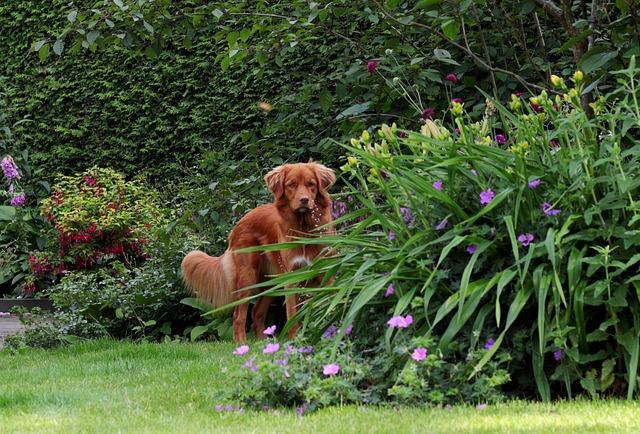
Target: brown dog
x=301 y=205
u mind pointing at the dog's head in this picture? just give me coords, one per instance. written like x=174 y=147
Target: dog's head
x=303 y=186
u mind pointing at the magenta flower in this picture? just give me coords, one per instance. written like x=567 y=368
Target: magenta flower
x=331 y=369
x=419 y=354
x=534 y=183
x=457 y=100
x=403 y=135
x=242 y=349
x=428 y=113
x=535 y=107
x=558 y=354
x=443 y=224
x=501 y=139
x=471 y=248
x=372 y=65
x=18 y=200
x=437 y=184
x=400 y=321
x=271 y=348
x=486 y=197
x=489 y=344
x=451 y=78
x=390 y=290
x=525 y=239
x=269 y=331
x=519 y=93
x=548 y=209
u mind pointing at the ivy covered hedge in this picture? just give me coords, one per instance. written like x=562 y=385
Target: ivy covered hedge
x=122 y=110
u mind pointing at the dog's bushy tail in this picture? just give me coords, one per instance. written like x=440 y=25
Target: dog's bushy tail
x=210 y=279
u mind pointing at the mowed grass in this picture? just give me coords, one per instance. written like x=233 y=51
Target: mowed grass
x=111 y=387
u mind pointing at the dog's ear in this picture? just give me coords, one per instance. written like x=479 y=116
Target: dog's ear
x=275 y=181
x=326 y=176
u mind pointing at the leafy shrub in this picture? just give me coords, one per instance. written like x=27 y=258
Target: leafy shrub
x=138 y=303
x=523 y=220
x=101 y=221
x=358 y=369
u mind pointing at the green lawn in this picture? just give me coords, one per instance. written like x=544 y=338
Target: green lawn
x=108 y=386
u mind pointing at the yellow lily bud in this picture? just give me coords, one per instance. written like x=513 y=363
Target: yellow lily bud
x=556 y=81
x=352 y=161
x=366 y=136
x=578 y=76
x=354 y=142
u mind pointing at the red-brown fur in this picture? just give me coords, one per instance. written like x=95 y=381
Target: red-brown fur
x=301 y=205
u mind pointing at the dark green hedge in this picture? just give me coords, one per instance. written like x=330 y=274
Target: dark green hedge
x=119 y=109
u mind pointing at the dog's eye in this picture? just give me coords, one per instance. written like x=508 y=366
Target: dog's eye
x=311 y=184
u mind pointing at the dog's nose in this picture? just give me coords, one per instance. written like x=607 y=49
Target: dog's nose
x=304 y=200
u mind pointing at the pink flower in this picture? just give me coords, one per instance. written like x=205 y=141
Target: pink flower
x=534 y=183
x=486 y=197
x=269 y=331
x=419 y=354
x=501 y=139
x=331 y=369
x=372 y=65
x=400 y=321
x=390 y=290
x=457 y=100
x=451 y=78
x=437 y=184
x=242 y=349
x=271 y=348
x=428 y=113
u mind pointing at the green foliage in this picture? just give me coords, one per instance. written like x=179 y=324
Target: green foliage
x=365 y=372
x=524 y=220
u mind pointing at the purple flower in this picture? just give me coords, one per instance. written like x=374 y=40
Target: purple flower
x=473 y=172
x=437 y=184
x=249 y=364
x=481 y=406
x=443 y=224
x=525 y=239
x=331 y=369
x=218 y=407
x=9 y=168
x=305 y=350
x=451 y=78
x=300 y=411
x=419 y=354
x=242 y=349
x=558 y=354
x=548 y=209
x=271 y=348
x=348 y=330
x=390 y=291
x=471 y=248
x=534 y=183
x=372 y=65
x=18 y=200
x=428 y=113
x=501 y=139
x=338 y=209
x=330 y=332
x=400 y=321
x=228 y=407
x=391 y=236
x=486 y=197
x=406 y=214
x=489 y=344
x=269 y=331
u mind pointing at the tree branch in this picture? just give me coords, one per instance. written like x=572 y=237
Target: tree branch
x=462 y=48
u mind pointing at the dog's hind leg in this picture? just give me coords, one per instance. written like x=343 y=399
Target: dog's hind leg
x=259 y=314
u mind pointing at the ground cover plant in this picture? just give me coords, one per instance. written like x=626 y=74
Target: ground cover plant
x=108 y=385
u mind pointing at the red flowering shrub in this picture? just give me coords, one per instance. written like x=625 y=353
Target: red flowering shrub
x=99 y=219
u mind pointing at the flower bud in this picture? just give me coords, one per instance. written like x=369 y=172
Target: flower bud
x=365 y=136
x=578 y=76
x=556 y=81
